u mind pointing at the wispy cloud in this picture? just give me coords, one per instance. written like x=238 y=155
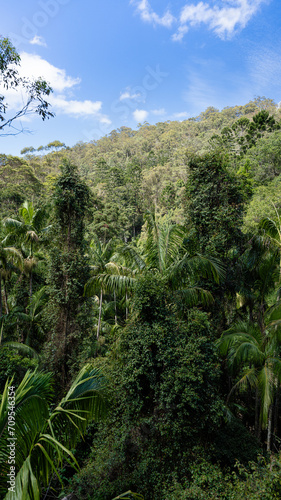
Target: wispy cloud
x=159 y=112
x=183 y=115
x=223 y=17
x=38 y=40
x=131 y=96
x=199 y=94
x=264 y=67
x=140 y=115
x=178 y=36
x=148 y=15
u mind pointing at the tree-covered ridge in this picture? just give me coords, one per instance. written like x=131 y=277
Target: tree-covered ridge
x=156 y=263
x=132 y=171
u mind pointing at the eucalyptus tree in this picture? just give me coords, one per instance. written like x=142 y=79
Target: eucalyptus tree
x=46 y=434
x=35 y=91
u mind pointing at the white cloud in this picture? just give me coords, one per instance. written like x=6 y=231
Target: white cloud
x=33 y=66
x=38 y=40
x=223 y=17
x=140 y=115
x=128 y=95
x=73 y=107
x=159 y=112
x=178 y=36
x=148 y=15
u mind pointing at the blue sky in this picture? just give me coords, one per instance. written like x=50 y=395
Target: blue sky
x=120 y=62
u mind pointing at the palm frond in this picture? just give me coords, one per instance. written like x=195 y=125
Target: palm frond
x=266 y=392
x=23 y=349
x=271 y=229
x=129 y=495
x=83 y=403
x=249 y=379
x=44 y=439
x=132 y=256
x=193 y=296
x=26 y=484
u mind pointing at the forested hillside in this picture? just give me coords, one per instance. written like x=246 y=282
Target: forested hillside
x=140 y=311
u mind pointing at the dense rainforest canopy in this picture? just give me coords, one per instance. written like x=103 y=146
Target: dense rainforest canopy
x=140 y=312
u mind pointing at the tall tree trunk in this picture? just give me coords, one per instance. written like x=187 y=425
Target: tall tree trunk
x=68 y=239
x=115 y=308
x=126 y=306
x=30 y=286
x=257 y=413
x=0 y=294
x=269 y=427
x=276 y=410
x=99 y=321
x=5 y=298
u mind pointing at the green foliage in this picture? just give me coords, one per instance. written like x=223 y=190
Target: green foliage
x=214 y=203
x=243 y=133
x=169 y=435
x=71 y=202
x=261 y=204
x=163 y=378
x=14 y=365
x=18 y=182
x=66 y=315
x=257 y=482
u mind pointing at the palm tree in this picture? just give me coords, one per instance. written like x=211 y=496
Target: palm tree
x=167 y=252
x=28 y=229
x=261 y=276
x=45 y=437
x=27 y=232
x=10 y=258
x=253 y=356
x=108 y=275
x=272 y=231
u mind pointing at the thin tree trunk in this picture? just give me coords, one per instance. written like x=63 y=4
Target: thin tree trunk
x=64 y=349
x=99 y=321
x=251 y=314
x=115 y=308
x=269 y=427
x=126 y=306
x=257 y=413
x=0 y=294
x=5 y=298
x=276 y=411
x=30 y=286
x=68 y=239
x=259 y=433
